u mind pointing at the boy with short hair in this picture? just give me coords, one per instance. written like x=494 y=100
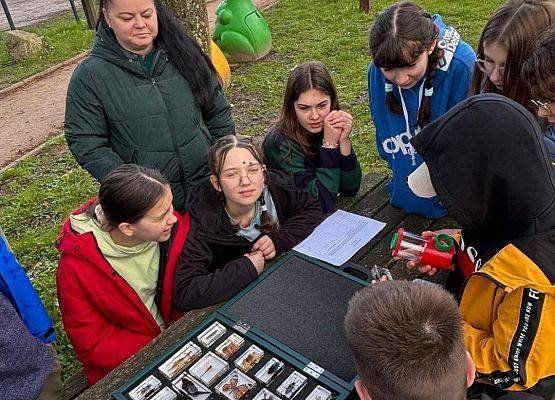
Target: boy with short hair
x=407 y=342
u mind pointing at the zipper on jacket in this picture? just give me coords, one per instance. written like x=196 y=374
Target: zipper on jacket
x=172 y=132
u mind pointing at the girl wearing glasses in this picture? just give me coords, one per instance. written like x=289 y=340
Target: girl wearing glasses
x=312 y=137
x=421 y=68
x=539 y=72
x=505 y=43
x=241 y=218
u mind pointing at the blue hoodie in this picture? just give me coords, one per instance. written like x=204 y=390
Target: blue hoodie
x=451 y=85
x=16 y=287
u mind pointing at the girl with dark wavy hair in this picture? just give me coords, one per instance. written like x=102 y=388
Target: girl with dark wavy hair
x=146 y=94
x=311 y=140
x=421 y=68
x=243 y=217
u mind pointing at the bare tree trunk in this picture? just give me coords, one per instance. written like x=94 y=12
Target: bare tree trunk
x=194 y=17
x=365 y=5
x=91 y=12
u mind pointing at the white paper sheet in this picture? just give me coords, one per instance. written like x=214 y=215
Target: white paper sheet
x=339 y=237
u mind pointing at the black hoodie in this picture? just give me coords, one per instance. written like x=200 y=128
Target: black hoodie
x=489 y=167
x=212 y=267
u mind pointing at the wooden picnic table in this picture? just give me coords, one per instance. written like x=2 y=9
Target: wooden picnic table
x=371 y=201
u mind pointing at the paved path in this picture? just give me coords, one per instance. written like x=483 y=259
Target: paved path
x=33 y=113
x=29 y=12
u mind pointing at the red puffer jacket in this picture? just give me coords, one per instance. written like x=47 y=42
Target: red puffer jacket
x=103 y=316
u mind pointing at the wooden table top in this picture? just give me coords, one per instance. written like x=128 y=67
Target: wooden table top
x=371 y=201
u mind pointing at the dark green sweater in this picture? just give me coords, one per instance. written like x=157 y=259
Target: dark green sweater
x=116 y=113
x=324 y=179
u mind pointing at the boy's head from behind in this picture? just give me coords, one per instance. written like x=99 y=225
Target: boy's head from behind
x=407 y=342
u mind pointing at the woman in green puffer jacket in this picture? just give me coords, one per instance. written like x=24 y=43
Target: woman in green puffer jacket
x=146 y=94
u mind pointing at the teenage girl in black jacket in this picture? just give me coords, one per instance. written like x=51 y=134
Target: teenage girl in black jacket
x=243 y=217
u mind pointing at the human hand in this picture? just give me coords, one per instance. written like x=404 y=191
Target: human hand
x=428 y=269
x=331 y=134
x=339 y=119
x=266 y=246
x=257 y=258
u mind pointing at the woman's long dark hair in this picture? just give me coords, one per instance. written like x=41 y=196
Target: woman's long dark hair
x=184 y=52
x=305 y=76
x=516 y=26
x=400 y=34
x=127 y=193
x=216 y=159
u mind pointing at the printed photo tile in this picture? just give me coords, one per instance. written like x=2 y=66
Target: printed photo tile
x=249 y=358
x=236 y=385
x=180 y=360
x=165 y=394
x=191 y=387
x=230 y=346
x=319 y=393
x=145 y=389
x=265 y=394
x=211 y=334
x=291 y=386
x=269 y=371
x=209 y=368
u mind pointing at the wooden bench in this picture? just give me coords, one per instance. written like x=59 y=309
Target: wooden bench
x=372 y=201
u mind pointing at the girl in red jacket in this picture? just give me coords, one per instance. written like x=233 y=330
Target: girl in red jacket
x=115 y=275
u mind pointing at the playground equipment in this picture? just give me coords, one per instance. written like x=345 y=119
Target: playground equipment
x=241 y=32
x=220 y=63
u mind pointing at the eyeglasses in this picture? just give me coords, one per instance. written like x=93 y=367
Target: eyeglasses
x=234 y=177
x=488 y=66
x=542 y=104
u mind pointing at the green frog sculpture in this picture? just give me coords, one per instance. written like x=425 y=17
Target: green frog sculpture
x=241 y=32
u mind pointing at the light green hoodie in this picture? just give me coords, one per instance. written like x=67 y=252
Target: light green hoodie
x=138 y=265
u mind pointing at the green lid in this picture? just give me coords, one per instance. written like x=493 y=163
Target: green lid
x=393 y=241
x=443 y=242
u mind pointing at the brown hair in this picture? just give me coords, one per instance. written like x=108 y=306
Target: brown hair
x=399 y=35
x=539 y=69
x=305 y=76
x=407 y=341
x=216 y=160
x=127 y=193
x=516 y=26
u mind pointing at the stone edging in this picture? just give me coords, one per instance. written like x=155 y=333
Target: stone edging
x=30 y=153
x=40 y=75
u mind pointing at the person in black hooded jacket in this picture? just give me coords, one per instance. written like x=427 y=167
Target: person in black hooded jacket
x=486 y=160
x=244 y=216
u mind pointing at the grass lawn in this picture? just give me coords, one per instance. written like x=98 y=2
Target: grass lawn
x=65 y=37
x=38 y=194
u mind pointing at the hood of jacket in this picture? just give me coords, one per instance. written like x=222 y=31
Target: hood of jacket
x=107 y=47
x=490 y=168
x=208 y=211
x=84 y=245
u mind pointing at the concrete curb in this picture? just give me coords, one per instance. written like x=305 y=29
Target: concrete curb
x=43 y=74
x=33 y=152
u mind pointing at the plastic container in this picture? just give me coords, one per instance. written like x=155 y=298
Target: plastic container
x=437 y=251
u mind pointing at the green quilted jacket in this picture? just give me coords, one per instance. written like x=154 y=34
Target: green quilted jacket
x=117 y=112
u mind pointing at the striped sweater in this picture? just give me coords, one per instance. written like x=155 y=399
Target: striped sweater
x=325 y=178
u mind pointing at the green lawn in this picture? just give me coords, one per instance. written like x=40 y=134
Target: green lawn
x=38 y=194
x=65 y=37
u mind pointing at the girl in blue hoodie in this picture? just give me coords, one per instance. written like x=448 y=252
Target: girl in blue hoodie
x=421 y=68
